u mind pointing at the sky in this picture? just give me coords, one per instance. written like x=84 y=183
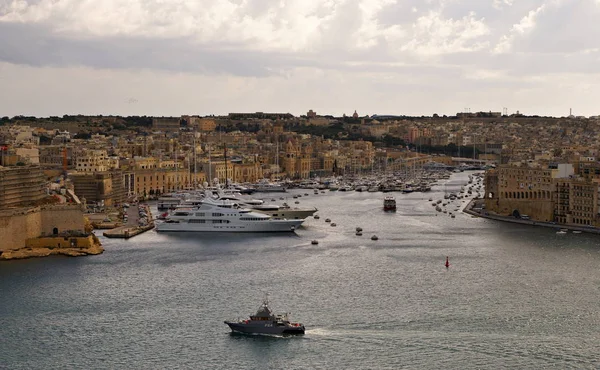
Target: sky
x=413 y=57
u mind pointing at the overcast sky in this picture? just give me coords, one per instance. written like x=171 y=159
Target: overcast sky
x=417 y=57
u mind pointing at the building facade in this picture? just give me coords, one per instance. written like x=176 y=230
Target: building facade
x=107 y=188
x=521 y=190
x=21 y=186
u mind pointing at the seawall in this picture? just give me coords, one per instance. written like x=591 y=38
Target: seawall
x=61 y=229
x=72 y=246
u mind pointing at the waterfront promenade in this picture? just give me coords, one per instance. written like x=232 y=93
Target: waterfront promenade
x=133 y=226
x=475 y=203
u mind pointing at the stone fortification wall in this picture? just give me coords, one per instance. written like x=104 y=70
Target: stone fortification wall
x=63 y=218
x=18 y=225
x=539 y=210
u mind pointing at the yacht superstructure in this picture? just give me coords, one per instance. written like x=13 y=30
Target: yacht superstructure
x=218 y=215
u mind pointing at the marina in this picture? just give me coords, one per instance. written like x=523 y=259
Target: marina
x=159 y=300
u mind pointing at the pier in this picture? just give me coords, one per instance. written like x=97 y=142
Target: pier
x=136 y=223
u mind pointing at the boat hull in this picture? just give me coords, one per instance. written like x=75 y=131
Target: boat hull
x=254 y=227
x=270 y=189
x=274 y=329
x=290 y=213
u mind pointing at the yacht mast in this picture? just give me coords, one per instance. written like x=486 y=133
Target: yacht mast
x=209 y=168
x=226 y=172
x=277 y=157
x=194 y=152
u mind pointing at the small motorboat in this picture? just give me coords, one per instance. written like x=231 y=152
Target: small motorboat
x=333 y=224
x=314 y=242
x=374 y=237
x=327 y=220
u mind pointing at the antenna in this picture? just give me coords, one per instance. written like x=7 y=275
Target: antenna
x=505 y=111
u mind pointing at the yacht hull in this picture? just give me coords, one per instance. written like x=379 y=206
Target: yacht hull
x=254 y=227
x=289 y=214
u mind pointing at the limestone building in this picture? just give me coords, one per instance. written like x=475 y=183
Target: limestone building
x=296 y=160
x=166 y=124
x=20 y=186
x=92 y=161
x=577 y=202
x=106 y=188
x=521 y=190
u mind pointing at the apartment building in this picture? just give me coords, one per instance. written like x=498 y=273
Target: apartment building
x=91 y=160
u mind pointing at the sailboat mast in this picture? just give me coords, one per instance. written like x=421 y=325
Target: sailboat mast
x=209 y=167
x=194 y=151
x=226 y=172
x=277 y=158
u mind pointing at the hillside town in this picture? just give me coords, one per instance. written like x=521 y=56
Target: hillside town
x=546 y=168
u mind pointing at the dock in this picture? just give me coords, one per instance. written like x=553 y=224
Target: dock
x=135 y=225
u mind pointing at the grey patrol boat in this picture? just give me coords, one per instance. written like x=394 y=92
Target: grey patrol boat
x=265 y=322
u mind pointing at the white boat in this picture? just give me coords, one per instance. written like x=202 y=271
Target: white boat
x=168 y=202
x=215 y=215
x=283 y=211
x=269 y=187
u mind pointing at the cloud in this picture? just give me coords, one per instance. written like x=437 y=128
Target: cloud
x=437 y=48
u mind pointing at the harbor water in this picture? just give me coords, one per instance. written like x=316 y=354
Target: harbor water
x=514 y=295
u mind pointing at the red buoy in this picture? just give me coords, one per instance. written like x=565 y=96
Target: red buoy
x=447 y=262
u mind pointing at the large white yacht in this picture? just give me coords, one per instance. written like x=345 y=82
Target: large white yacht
x=223 y=216
x=169 y=201
x=276 y=211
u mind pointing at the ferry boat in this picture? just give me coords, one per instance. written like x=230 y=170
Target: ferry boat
x=216 y=215
x=266 y=322
x=389 y=204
